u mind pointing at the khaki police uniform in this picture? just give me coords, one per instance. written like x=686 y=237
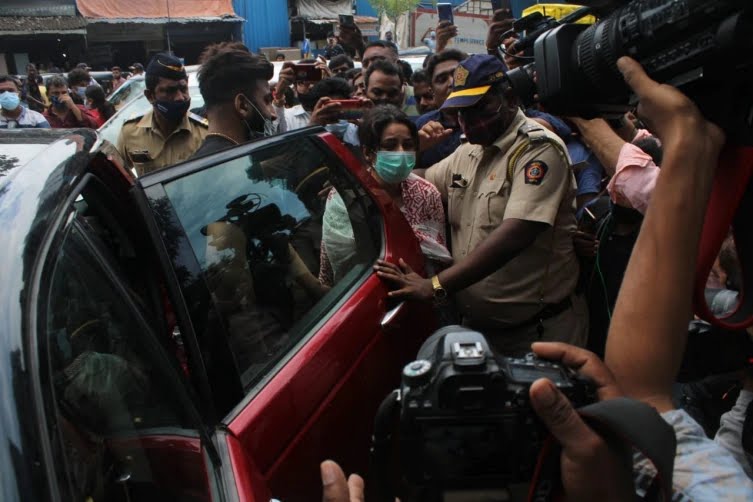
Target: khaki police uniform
x=145 y=148
x=524 y=175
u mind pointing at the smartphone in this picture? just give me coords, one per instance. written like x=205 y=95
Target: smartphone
x=501 y=10
x=307 y=72
x=444 y=10
x=352 y=109
x=346 y=20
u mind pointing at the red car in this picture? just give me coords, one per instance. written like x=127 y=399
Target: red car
x=164 y=337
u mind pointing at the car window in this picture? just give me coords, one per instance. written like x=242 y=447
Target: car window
x=129 y=90
x=254 y=225
x=116 y=391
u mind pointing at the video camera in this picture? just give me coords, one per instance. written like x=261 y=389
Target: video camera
x=701 y=47
x=463 y=418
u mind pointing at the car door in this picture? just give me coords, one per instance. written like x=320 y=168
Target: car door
x=119 y=415
x=297 y=363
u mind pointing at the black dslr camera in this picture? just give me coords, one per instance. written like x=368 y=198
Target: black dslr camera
x=701 y=47
x=463 y=418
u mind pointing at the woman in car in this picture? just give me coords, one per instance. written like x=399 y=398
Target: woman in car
x=389 y=140
x=97 y=105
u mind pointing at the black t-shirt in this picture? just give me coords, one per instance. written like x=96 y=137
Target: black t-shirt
x=212 y=144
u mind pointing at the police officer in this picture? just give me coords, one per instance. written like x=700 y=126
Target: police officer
x=168 y=133
x=510 y=197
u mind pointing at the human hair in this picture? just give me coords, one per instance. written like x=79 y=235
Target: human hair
x=151 y=81
x=441 y=57
x=376 y=120
x=384 y=44
x=9 y=78
x=333 y=87
x=57 y=81
x=78 y=77
x=406 y=69
x=228 y=69
x=384 y=67
x=652 y=147
x=341 y=59
x=352 y=74
x=97 y=95
x=420 y=77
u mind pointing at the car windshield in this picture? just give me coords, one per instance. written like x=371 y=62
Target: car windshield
x=130 y=90
x=140 y=105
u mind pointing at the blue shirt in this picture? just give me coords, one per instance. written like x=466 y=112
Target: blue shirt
x=703 y=469
x=443 y=150
x=590 y=172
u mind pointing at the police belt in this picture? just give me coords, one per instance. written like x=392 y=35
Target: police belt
x=550 y=310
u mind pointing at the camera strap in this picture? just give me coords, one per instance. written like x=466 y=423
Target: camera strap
x=631 y=423
x=730 y=205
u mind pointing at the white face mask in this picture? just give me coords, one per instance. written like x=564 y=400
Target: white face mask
x=270 y=128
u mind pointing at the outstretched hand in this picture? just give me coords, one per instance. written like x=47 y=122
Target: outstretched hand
x=410 y=285
x=667 y=112
x=432 y=134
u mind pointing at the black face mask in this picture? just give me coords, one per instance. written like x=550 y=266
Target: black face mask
x=484 y=129
x=308 y=101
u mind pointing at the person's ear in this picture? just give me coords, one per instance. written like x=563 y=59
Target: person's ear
x=369 y=155
x=241 y=105
x=149 y=95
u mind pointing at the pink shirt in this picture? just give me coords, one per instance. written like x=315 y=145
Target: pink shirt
x=635 y=176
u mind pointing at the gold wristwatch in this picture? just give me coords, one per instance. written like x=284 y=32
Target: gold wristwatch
x=440 y=294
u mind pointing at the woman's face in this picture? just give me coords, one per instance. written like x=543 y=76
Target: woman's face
x=396 y=137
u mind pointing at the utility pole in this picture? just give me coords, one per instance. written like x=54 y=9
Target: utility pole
x=167 y=28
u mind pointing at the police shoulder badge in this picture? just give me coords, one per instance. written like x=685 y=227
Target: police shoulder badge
x=535 y=172
x=461 y=75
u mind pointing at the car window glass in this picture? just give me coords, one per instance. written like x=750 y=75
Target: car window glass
x=255 y=227
x=109 y=386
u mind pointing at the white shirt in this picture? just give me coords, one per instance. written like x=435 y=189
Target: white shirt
x=295 y=118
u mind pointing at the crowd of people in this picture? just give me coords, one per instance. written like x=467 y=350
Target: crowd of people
x=61 y=101
x=573 y=238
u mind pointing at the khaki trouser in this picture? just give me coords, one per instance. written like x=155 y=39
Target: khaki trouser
x=569 y=326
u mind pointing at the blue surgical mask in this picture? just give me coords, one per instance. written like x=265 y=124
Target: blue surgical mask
x=56 y=103
x=394 y=167
x=338 y=128
x=81 y=91
x=9 y=101
x=173 y=111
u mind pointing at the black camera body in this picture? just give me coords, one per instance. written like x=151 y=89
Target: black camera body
x=701 y=47
x=465 y=420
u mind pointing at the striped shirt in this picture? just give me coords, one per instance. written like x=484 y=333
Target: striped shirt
x=27 y=120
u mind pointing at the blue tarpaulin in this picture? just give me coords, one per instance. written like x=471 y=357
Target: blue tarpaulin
x=266 y=23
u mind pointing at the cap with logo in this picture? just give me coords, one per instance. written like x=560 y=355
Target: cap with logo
x=472 y=79
x=166 y=66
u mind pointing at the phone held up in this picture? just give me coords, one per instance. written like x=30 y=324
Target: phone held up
x=444 y=10
x=307 y=72
x=351 y=109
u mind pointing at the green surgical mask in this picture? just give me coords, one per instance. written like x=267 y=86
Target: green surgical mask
x=394 y=167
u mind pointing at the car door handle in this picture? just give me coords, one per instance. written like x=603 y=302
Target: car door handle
x=391 y=314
